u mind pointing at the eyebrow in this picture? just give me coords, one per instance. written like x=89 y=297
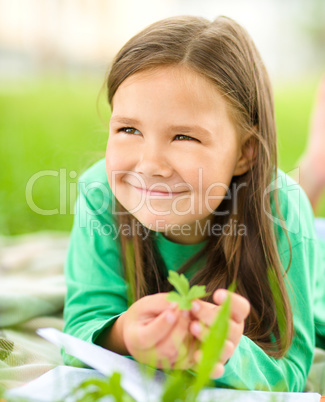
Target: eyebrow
x=124 y=120
x=181 y=128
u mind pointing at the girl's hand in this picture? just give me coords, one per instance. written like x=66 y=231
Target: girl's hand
x=156 y=332
x=204 y=313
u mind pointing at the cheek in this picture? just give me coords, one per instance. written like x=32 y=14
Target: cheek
x=114 y=164
x=215 y=178
x=116 y=158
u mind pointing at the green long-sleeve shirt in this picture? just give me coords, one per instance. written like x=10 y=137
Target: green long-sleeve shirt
x=96 y=288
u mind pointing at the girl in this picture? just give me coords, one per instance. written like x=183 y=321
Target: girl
x=191 y=184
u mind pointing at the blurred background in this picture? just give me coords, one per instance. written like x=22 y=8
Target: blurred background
x=53 y=58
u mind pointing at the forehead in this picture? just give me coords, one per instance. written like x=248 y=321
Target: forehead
x=176 y=83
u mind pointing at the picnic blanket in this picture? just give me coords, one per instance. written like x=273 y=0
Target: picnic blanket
x=32 y=291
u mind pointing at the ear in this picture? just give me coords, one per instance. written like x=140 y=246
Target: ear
x=247 y=156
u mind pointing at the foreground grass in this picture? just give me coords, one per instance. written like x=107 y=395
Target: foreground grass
x=53 y=124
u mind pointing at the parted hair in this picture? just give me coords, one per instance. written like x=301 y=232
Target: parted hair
x=223 y=52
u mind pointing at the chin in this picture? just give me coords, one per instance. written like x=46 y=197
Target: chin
x=155 y=223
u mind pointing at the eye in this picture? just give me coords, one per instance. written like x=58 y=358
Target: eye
x=183 y=137
x=129 y=130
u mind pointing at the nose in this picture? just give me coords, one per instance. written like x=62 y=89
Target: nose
x=153 y=162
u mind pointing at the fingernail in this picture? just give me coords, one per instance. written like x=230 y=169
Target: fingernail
x=185 y=313
x=196 y=327
x=170 y=318
x=195 y=307
x=218 y=370
x=173 y=305
x=222 y=297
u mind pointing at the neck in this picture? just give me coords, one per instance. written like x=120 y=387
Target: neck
x=193 y=233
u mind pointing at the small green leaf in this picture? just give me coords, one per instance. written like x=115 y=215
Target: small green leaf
x=95 y=388
x=116 y=388
x=185 y=295
x=185 y=304
x=174 y=297
x=197 y=292
x=179 y=282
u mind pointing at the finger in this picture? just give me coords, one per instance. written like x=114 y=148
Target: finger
x=240 y=307
x=235 y=332
x=204 y=311
x=171 y=346
x=156 y=304
x=152 y=333
x=198 y=330
x=218 y=371
x=228 y=351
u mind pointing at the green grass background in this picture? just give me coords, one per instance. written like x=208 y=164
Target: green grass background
x=53 y=124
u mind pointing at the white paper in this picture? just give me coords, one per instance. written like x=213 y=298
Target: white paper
x=54 y=385
x=58 y=383
x=106 y=362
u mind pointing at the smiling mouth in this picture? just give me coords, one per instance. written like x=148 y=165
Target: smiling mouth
x=159 y=193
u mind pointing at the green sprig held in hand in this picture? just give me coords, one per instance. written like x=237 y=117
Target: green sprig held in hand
x=184 y=295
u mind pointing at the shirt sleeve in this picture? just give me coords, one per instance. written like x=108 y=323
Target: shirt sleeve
x=96 y=289
x=251 y=368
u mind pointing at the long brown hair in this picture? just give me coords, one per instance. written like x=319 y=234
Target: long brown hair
x=223 y=52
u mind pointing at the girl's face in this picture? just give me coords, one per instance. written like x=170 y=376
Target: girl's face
x=172 y=151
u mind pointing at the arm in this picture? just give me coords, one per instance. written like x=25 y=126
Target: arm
x=111 y=338
x=251 y=368
x=96 y=289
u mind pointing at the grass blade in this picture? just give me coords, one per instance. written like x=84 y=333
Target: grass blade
x=213 y=345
